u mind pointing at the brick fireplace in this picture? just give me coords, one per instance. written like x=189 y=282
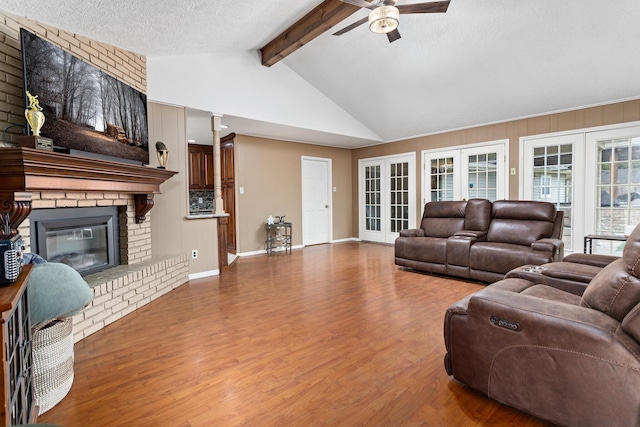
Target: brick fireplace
x=34 y=179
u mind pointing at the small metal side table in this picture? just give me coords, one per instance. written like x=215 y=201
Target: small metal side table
x=589 y=238
x=278 y=236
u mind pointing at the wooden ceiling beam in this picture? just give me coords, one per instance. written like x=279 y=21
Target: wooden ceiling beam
x=326 y=15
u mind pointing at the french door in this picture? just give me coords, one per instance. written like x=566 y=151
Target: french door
x=387 y=197
x=464 y=173
x=549 y=175
x=615 y=155
x=593 y=175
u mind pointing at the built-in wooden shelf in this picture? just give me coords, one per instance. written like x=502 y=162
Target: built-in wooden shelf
x=25 y=170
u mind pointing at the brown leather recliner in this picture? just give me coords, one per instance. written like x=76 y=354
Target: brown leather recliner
x=567 y=358
x=482 y=240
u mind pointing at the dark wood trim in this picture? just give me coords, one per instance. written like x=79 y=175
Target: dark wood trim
x=223 y=257
x=18 y=206
x=326 y=15
x=143 y=204
x=28 y=169
x=25 y=170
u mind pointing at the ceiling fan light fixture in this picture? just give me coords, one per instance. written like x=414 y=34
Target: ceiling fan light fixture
x=384 y=19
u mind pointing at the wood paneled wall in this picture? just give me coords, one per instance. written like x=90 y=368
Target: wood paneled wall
x=621 y=112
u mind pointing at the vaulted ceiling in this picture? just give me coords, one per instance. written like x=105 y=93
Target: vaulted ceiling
x=481 y=62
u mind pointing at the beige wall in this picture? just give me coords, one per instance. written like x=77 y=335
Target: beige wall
x=578 y=119
x=171 y=231
x=270 y=171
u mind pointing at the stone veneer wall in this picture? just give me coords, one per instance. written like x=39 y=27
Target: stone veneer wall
x=124 y=65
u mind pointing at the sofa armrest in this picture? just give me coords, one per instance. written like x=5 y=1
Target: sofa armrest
x=474 y=234
x=496 y=300
x=595 y=260
x=552 y=246
x=412 y=232
x=514 y=347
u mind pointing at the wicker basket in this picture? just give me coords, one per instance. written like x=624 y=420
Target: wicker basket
x=52 y=362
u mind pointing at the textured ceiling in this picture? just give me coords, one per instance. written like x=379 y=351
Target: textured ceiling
x=481 y=62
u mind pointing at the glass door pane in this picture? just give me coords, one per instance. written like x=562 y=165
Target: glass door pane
x=442 y=179
x=548 y=176
x=618 y=189
x=399 y=197
x=372 y=204
x=482 y=170
x=553 y=181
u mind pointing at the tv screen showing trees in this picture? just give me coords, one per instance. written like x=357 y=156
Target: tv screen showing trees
x=85 y=109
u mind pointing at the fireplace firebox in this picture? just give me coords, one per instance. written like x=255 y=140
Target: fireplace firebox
x=87 y=239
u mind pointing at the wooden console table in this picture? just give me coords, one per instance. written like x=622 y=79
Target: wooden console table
x=589 y=238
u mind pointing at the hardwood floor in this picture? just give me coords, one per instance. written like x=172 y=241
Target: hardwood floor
x=329 y=335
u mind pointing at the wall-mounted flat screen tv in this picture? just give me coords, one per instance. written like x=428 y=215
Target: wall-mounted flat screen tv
x=87 y=112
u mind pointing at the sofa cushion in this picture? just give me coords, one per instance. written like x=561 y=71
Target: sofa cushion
x=521 y=222
x=443 y=219
x=551 y=293
x=497 y=257
x=423 y=249
x=477 y=215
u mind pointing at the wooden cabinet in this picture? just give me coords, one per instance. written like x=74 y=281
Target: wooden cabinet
x=18 y=405
x=200 y=167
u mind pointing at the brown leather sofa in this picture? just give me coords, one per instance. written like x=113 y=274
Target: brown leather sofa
x=572 y=359
x=481 y=240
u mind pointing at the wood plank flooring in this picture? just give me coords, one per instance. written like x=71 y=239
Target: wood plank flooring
x=331 y=335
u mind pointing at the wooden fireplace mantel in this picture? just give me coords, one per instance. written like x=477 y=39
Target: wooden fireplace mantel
x=26 y=170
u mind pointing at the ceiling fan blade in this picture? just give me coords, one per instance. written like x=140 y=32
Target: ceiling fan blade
x=360 y=3
x=352 y=26
x=432 y=7
x=393 y=35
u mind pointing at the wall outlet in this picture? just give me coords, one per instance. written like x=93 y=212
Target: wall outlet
x=194 y=254
x=200 y=200
x=513 y=171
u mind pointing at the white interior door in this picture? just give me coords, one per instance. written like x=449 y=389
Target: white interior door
x=316 y=201
x=387 y=197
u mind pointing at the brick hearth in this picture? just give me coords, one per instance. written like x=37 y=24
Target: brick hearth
x=121 y=290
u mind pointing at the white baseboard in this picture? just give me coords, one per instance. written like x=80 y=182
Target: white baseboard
x=204 y=274
x=263 y=251
x=348 y=239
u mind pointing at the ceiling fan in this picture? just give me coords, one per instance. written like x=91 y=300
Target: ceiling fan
x=384 y=16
